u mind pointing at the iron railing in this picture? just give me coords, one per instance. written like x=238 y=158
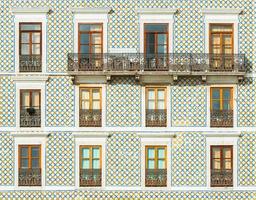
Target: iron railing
x=221 y=178
x=30 y=63
x=156 y=178
x=156 y=118
x=30 y=117
x=90 y=117
x=221 y=118
x=29 y=177
x=175 y=62
x=90 y=177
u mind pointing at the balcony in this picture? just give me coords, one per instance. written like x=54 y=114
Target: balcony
x=29 y=177
x=156 y=178
x=90 y=118
x=30 y=117
x=221 y=118
x=156 y=118
x=139 y=64
x=30 y=63
x=90 y=177
x=221 y=178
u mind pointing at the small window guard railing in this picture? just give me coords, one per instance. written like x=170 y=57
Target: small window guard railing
x=221 y=118
x=221 y=178
x=30 y=63
x=175 y=62
x=156 y=178
x=30 y=117
x=90 y=118
x=29 y=177
x=156 y=118
x=90 y=177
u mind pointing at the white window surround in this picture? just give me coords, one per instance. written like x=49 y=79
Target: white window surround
x=221 y=15
x=156 y=15
x=234 y=103
x=31 y=15
x=147 y=140
x=103 y=106
x=90 y=139
x=143 y=106
x=30 y=82
x=228 y=140
x=29 y=138
x=91 y=15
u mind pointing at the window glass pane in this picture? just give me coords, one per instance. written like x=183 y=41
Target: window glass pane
x=162 y=49
x=215 y=93
x=216 y=105
x=151 y=164
x=24 y=152
x=216 y=152
x=216 y=50
x=96 y=153
x=96 y=104
x=35 y=163
x=96 y=38
x=216 y=164
x=95 y=94
x=85 y=105
x=161 y=153
x=162 y=39
x=85 y=152
x=27 y=27
x=227 y=164
x=84 y=49
x=25 y=49
x=151 y=153
x=96 y=164
x=226 y=152
x=160 y=94
x=156 y=27
x=228 y=50
x=150 y=51
x=226 y=105
x=221 y=28
x=25 y=99
x=85 y=94
x=151 y=104
x=151 y=94
x=226 y=93
x=36 y=99
x=85 y=164
x=84 y=38
x=35 y=151
x=24 y=163
x=227 y=39
x=161 y=164
x=90 y=27
x=150 y=39
x=36 y=37
x=216 y=39
x=36 y=49
x=160 y=104
x=96 y=49
x=25 y=37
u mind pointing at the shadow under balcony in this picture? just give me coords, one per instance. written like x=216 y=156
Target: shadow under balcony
x=221 y=118
x=90 y=118
x=30 y=63
x=221 y=178
x=29 y=177
x=90 y=177
x=156 y=177
x=30 y=117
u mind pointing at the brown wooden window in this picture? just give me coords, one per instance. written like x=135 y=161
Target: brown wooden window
x=30 y=108
x=156 y=114
x=30 y=47
x=29 y=165
x=90 y=107
x=221 y=107
x=156 y=166
x=90 y=166
x=222 y=166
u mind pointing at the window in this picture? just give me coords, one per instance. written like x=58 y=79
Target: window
x=30 y=108
x=156 y=166
x=221 y=107
x=221 y=47
x=156 y=46
x=222 y=166
x=29 y=165
x=30 y=57
x=156 y=112
x=90 y=166
x=90 y=107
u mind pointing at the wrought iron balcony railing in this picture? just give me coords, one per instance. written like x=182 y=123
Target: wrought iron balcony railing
x=175 y=62
x=221 y=118
x=156 y=178
x=156 y=118
x=29 y=177
x=30 y=117
x=221 y=178
x=90 y=177
x=30 y=63
x=90 y=118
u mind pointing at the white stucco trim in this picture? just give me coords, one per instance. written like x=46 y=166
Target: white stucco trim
x=29 y=139
x=234 y=86
x=25 y=10
x=221 y=16
x=90 y=141
x=40 y=85
x=30 y=79
x=156 y=15
x=103 y=106
x=122 y=50
x=226 y=11
x=145 y=141
x=31 y=16
x=104 y=10
x=221 y=141
x=91 y=16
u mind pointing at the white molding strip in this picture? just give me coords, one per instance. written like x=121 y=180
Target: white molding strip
x=104 y=10
x=91 y=134
x=221 y=10
x=29 y=134
x=223 y=134
x=156 y=134
x=24 y=78
x=20 y=10
x=157 y=10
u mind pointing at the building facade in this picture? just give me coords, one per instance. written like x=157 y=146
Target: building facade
x=135 y=99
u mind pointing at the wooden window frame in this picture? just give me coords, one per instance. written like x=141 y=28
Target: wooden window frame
x=30 y=96
x=221 y=33
x=221 y=97
x=90 y=96
x=156 y=88
x=90 y=36
x=90 y=147
x=29 y=155
x=156 y=147
x=30 y=37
